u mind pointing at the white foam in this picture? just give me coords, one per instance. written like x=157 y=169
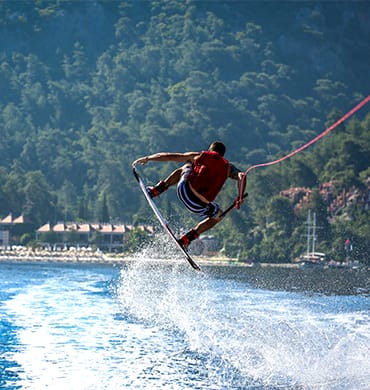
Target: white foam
x=272 y=338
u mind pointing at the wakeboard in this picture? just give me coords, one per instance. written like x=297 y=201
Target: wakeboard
x=162 y=221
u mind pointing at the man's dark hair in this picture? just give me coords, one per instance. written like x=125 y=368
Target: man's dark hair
x=218 y=147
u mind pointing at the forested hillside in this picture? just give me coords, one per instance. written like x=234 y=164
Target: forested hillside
x=89 y=86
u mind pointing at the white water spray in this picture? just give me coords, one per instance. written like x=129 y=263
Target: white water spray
x=246 y=338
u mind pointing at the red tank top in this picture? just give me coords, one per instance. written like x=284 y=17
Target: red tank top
x=209 y=173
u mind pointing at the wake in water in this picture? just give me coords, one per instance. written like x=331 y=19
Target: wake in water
x=169 y=327
x=229 y=335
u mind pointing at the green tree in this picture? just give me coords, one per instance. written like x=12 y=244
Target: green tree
x=39 y=201
x=280 y=211
x=103 y=215
x=136 y=240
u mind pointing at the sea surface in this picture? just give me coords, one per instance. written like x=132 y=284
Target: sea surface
x=158 y=325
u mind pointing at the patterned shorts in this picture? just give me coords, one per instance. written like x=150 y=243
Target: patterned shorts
x=191 y=201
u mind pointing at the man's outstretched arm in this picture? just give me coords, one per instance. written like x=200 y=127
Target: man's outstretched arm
x=164 y=156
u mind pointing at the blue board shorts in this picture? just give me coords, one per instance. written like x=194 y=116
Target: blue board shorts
x=191 y=201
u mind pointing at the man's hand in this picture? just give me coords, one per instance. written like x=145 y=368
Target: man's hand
x=242 y=181
x=141 y=160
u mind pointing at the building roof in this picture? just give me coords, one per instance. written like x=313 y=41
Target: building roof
x=21 y=219
x=9 y=220
x=45 y=228
x=60 y=227
x=84 y=228
x=106 y=228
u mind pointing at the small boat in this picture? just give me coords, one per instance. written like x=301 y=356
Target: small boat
x=312 y=258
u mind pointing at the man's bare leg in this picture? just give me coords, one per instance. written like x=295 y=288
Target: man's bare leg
x=173 y=178
x=163 y=185
x=206 y=224
x=202 y=227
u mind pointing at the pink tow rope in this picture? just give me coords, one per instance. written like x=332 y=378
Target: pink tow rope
x=243 y=183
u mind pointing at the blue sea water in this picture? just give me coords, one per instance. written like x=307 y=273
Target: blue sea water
x=153 y=325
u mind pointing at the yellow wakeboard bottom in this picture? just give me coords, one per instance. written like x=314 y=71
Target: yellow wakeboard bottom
x=163 y=222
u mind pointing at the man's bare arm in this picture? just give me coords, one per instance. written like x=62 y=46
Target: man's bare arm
x=234 y=172
x=164 y=156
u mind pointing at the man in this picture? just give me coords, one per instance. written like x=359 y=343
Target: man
x=198 y=183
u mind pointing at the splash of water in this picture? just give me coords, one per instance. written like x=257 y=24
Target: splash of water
x=247 y=338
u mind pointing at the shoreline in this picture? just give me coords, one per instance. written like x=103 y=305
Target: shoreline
x=97 y=257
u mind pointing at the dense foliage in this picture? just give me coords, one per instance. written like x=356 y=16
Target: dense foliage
x=87 y=87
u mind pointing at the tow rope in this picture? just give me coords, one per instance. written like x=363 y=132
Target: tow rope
x=243 y=182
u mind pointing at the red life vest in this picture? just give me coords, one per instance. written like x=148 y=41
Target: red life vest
x=208 y=175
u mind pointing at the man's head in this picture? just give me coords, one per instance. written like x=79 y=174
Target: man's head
x=218 y=147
